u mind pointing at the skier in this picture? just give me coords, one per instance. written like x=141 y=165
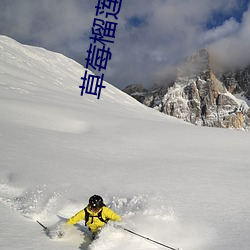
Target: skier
x=95 y=214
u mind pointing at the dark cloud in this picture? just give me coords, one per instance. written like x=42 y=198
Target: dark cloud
x=151 y=38
x=58 y=25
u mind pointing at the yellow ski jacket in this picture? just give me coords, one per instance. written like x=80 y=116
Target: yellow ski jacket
x=94 y=223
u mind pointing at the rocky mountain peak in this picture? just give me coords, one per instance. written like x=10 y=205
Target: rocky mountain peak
x=202 y=97
x=196 y=64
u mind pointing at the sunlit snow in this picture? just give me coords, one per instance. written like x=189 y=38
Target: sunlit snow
x=182 y=185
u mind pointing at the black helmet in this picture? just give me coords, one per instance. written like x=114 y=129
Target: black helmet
x=96 y=202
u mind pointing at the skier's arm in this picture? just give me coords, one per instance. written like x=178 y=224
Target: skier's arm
x=110 y=214
x=77 y=217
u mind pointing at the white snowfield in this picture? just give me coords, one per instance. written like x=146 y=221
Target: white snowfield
x=185 y=186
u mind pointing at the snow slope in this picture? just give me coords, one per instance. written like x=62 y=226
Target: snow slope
x=179 y=184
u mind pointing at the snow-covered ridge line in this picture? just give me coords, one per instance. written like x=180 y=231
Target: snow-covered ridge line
x=40 y=70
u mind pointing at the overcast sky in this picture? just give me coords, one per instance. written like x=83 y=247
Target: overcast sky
x=152 y=36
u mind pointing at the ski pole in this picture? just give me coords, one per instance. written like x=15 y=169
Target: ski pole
x=146 y=238
x=45 y=228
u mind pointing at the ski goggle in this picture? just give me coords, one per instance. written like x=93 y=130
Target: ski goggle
x=94 y=208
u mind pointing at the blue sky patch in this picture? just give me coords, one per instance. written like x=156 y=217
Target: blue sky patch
x=136 y=21
x=219 y=17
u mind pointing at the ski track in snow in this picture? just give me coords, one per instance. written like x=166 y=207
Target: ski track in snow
x=145 y=214
x=42 y=116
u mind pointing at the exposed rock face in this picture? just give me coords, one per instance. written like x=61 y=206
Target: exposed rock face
x=137 y=91
x=199 y=97
x=237 y=81
x=134 y=88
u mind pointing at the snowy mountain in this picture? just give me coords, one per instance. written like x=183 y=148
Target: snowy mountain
x=201 y=96
x=182 y=185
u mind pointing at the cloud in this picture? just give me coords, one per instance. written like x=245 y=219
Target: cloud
x=151 y=37
x=228 y=28
x=233 y=49
x=172 y=31
x=53 y=24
